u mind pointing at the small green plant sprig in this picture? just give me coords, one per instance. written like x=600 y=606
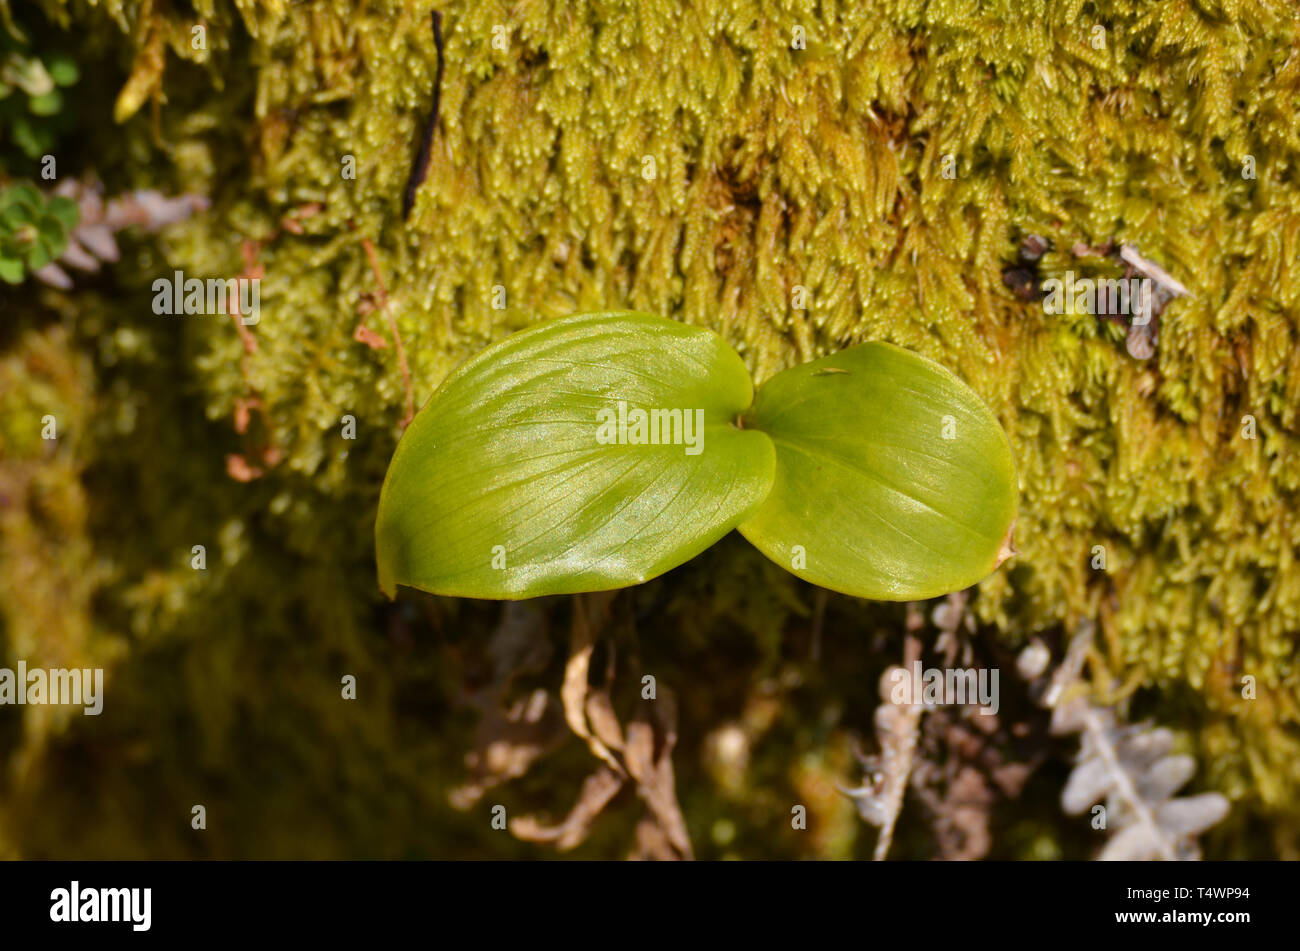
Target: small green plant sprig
x=34 y=229
x=601 y=450
x=31 y=95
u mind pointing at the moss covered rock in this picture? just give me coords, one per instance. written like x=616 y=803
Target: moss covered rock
x=797 y=176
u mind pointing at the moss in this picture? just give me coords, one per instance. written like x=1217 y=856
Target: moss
x=820 y=168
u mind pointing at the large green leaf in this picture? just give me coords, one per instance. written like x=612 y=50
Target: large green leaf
x=893 y=480
x=500 y=487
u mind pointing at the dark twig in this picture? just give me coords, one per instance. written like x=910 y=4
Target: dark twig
x=420 y=170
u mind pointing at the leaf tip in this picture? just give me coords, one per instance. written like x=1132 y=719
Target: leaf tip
x=387 y=583
x=1008 y=548
x=387 y=576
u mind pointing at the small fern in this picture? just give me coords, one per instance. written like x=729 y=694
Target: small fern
x=1132 y=768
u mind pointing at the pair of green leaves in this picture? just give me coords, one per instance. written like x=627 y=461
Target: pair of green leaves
x=602 y=450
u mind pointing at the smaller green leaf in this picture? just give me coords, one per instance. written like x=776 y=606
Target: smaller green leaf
x=38 y=256
x=34 y=140
x=63 y=69
x=46 y=104
x=11 y=270
x=53 y=235
x=65 y=210
x=893 y=480
x=21 y=195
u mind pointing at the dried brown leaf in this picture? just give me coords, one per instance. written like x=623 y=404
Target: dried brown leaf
x=597 y=791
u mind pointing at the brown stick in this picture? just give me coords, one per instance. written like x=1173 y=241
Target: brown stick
x=420 y=170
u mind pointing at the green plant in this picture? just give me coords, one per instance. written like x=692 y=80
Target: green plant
x=34 y=230
x=30 y=94
x=601 y=450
